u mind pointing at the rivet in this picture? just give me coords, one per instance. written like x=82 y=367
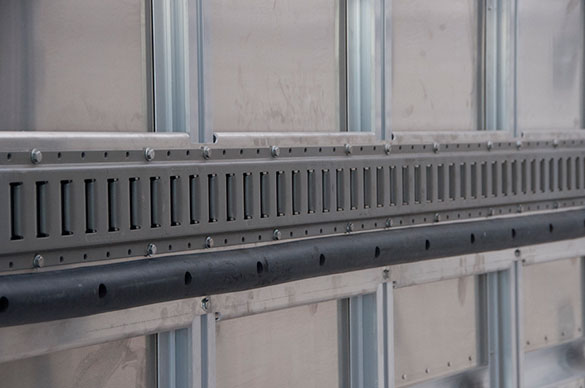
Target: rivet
x=209 y=242
x=276 y=235
x=151 y=250
x=437 y=217
x=387 y=148
x=518 y=144
x=38 y=261
x=205 y=304
x=206 y=152
x=149 y=154
x=490 y=145
x=36 y=156
x=275 y=151
x=436 y=147
x=348 y=149
x=389 y=223
x=349 y=227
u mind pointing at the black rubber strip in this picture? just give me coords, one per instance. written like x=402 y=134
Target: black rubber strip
x=59 y=294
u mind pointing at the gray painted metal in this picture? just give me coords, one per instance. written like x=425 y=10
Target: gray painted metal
x=78 y=206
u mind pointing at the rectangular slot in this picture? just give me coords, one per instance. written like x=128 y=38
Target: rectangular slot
x=417 y=184
x=230 y=197
x=533 y=176
x=429 y=183
x=524 y=172
x=473 y=180
x=393 y=185
x=311 y=191
x=66 y=228
x=380 y=186
x=175 y=201
x=296 y=191
x=194 y=200
x=405 y=184
x=264 y=195
x=452 y=182
x=514 y=177
x=212 y=196
x=569 y=175
x=505 y=178
x=551 y=175
x=113 y=225
x=41 y=207
x=154 y=202
x=90 y=221
x=495 y=178
x=16 y=232
x=340 y=188
x=367 y=187
x=542 y=175
x=326 y=185
x=353 y=195
x=248 y=196
x=134 y=187
x=560 y=166
x=463 y=180
x=441 y=182
x=484 y=179
x=578 y=175
x=280 y=193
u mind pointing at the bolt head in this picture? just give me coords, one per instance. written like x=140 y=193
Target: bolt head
x=436 y=147
x=387 y=148
x=348 y=149
x=490 y=145
x=275 y=151
x=151 y=250
x=205 y=304
x=36 y=156
x=206 y=152
x=276 y=235
x=349 y=227
x=149 y=154
x=209 y=242
x=38 y=261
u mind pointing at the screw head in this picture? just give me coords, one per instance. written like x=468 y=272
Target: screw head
x=206 y=152
x=209 y=242
x=490 y=145
x=36 y=156
x=38 y=261
x=518 y=144
x=389 y=223
x=387 y=148
x=151 y=250
x=149 y=154
x=276 y=235
x=436 y=147
x=348 y=149
x=205 y=304
x=275 y=151
x=349 y=227
x=437 y=217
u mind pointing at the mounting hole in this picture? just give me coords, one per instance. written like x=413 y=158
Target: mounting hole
x=472 y=238
x=170 y=247
x=513 y=233
x=127 y=154
x=129 y=251
x=59 y=155
x=257 y=150
x=108 y=254
x=377 y=252
x=427 y=245
x=551 y=228
x=85 y=256
x=223 y=152
x=259 y=268
x=241 y=151
x=3 y=304
x=259 y=237
x=10 y=264
x=102 y=291
x=243 y=239
x=322 y=260
x=168 y=153
x=188 y=278
x=187 y=153
x=188 y=245
x=83 y=155
x=105 y=155
x=61 y=259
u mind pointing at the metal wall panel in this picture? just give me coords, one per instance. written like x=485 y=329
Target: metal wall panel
x=435 y=329
x=553 y=303
x=434 y=65
x=274 y=65
x=297 y=347
x=125 y=363
x=73 y=65
x=550 y=64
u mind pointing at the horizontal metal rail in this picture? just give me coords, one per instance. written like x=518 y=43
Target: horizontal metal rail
x=59 y=294
x=67 y=207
